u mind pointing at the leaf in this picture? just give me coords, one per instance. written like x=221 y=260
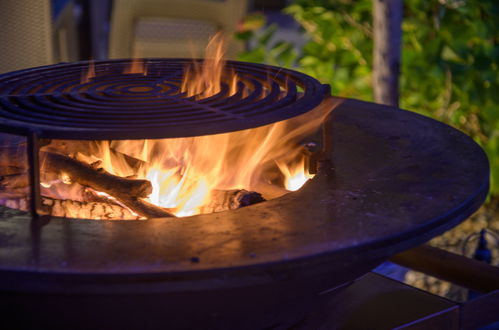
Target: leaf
x=450 y=55
x=256 y=56
x=252 y=22
x=244 y=35
x=267 y=34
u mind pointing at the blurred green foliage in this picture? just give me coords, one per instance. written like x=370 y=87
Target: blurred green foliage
x=450 y=58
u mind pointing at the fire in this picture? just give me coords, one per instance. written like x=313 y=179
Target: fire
x=204 y=79
x=184 y=172
x=89 y=74
x=295 y=175
x=136 y=67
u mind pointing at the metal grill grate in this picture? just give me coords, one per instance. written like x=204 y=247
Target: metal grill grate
x=52 y=102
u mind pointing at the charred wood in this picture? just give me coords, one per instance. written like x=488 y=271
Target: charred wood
x=269 y=190
x=223 y=200
x=14 y=181
x=89 y=175
x=13 y=186
x=100 y=210
x=144 y=208
x=86 y=210
x=93 y=176
x=75 y=209
x=10 y=170
x=126 y=191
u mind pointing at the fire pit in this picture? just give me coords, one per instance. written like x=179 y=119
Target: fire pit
x=57 y=103
x=387 y=180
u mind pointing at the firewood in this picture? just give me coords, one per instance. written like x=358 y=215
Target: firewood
x=269 y=190
x=13 y=186
x=14 y=181
x=223 y=200
x=10 y=170
x=7 y=193
x=100 y=210
x=74 y=209
x=15 y=202
x=86 y=210
x=91 y=176
x=144 y=208
x=12 y=155
x=127 y=191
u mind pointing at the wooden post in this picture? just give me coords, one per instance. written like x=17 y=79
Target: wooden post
x=447 y=266
x=387 y=21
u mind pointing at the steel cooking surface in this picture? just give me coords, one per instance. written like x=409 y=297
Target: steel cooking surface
x=54 y=102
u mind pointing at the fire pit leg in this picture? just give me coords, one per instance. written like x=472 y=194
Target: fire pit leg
x=33 y=150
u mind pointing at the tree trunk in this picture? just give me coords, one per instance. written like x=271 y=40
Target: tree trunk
x=387 y=21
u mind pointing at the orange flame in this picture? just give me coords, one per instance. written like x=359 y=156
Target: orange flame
x=136 y=67
x=295 y=174
x=87 y=76
x=185 y=171
x=204 y=79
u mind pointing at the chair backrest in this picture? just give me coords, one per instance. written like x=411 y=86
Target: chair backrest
x=66 y=38
x=25 y=34
x=171 y=28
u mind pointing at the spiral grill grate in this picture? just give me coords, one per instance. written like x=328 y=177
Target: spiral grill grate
x=52 y=102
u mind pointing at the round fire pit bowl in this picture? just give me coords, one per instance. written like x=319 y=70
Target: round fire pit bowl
x=394 y=179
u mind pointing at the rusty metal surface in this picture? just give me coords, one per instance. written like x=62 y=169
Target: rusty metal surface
x=397 y=179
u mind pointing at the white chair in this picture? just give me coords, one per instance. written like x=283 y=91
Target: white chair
x=171 y=28
x=25 y=34
x=30 y=38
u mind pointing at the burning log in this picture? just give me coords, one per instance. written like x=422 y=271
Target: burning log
x=223 y=200
x=86 y=175
x=144 y=208
x=14 y=180
x=10 y=170
x=95 y=177
x=126 y=191
x=269 y=190
x=86 y=210
x=75 y=209
x=13 y=185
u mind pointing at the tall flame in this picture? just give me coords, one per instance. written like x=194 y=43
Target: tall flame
x=136 y=67
x=204 y=79
x=89 y=74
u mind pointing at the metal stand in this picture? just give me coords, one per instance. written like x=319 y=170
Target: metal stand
x=33 y=150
